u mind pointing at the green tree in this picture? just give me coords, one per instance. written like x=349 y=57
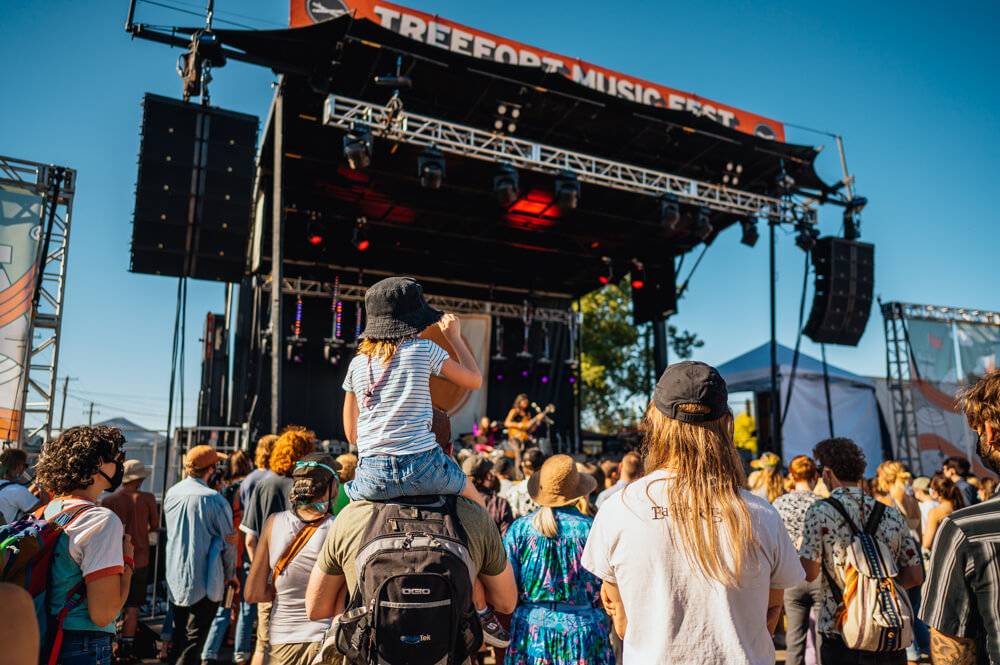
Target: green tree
x=616 y=359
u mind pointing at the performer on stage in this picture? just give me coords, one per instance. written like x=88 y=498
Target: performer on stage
x=520 y=424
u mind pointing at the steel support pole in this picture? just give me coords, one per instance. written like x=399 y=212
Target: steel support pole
x=277 y=257
x=775 y=391
x=660 y=350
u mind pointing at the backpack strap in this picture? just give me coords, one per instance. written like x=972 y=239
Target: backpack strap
x=873 y=520
x=839 y=507
x=292 y=550
x=78 y=593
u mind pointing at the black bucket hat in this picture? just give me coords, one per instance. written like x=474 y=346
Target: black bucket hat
x=691 y=382
x=395 y=308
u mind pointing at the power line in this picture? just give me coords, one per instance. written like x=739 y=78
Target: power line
x=202 y=15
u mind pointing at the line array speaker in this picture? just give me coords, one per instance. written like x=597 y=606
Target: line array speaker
x=193 y=191
x=845 y=279
x=657 y=299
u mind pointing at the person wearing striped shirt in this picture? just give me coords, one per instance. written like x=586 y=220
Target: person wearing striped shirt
x=962 y=595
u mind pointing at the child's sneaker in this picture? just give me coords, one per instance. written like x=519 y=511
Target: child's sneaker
x=493 y=633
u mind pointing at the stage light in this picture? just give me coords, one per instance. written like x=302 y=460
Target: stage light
x=732 y=174
x=638 y=275
x=571 y=379
x=430 y=168
x=857 y=204
x=852 y=229
x=750 y=235
x=567 y=190
x=785 y=182
x=806 y=236
x=358 y=147
x=609 y=274
x=360 y=238
x=506 y=116
x=703 y=225
x=315 y=233
x=499 y=377
x=545 y=378
x=670 y=211
x=505 y=185
x=524 y=373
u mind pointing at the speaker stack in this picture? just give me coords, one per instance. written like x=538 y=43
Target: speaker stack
x=842 y=303
x=193 y=191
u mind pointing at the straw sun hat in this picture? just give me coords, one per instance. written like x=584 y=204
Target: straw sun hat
x=559 y=483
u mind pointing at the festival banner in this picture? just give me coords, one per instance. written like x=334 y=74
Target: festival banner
x=20 y=235
x=458 y=38
x=978 y=345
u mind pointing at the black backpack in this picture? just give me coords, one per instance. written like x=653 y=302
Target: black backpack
x=413 y=602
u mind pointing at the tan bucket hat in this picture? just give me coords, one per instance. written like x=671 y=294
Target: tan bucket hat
x=559 y=483
x=134 y=470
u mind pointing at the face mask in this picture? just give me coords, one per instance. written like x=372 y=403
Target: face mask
x=116 y=480
x=988 y=455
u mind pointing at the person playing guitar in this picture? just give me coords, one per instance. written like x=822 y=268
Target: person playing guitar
x=520 y=424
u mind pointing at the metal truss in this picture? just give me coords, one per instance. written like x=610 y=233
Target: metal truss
x=392 y=123
x=898 y=377
x=45 y=327
x=938 y=313
x=353 y=292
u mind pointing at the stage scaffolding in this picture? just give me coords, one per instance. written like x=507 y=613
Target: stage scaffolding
x=902 y=371
x=57 y=185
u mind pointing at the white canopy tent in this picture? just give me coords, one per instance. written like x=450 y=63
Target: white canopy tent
x=852 y=399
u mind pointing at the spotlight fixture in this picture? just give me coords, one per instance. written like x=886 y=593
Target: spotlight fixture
x=360 y=237
x=430 y=168
x=505 y=185
x=315 y=233
x=670 y=211
x=609 y=275
x=638 y=275
x=732 y=174
x=703 y=225
x=750 y=235
x=852 y=229
x=506 y=117
x=358 y=147
x=567 y=190
x=785 y=182
x=806 y=235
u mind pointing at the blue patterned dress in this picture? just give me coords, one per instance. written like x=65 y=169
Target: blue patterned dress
x=559 y=619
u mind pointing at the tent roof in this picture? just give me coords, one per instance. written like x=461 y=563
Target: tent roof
x=752 y=370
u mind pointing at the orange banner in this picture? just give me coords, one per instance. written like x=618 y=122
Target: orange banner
x=458 y=38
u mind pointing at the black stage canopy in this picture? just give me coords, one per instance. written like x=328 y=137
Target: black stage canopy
x=458 y=236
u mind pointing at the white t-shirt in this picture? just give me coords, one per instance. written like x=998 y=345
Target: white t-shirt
x=398 y=420
x=15 y=501
x=675 y=614
x=925 y=509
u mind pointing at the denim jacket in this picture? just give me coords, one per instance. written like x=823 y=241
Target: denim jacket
x=199 y=557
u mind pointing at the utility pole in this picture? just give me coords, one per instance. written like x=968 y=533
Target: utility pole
x=90 y=416
x=65 y=390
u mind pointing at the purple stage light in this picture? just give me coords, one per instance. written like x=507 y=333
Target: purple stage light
x=524 y=373
x=499 y=377
x=545 y=378
x=572 y=379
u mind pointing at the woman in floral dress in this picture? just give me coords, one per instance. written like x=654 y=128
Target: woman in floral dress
x=559 y=618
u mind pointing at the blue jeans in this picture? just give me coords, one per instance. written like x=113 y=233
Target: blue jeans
x=384 y=477
x=245 y=615
x=85 y=647
x=921 y=633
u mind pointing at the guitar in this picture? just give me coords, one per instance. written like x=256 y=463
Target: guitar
x=521 y=432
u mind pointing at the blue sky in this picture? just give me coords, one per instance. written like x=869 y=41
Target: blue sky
x=913 y=88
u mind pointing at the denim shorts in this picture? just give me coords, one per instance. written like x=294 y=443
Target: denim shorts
x=384 y=477
x=85 y=647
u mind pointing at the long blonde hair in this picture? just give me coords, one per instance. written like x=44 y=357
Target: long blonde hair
x=771 y=480
x=704 y=490
x=544 y=521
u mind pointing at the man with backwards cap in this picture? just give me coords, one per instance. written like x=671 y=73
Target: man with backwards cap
x=200 y=551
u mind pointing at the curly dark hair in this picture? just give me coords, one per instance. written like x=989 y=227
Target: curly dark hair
x=843 y=457
x=70 y=461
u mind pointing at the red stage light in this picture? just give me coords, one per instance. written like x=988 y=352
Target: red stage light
x=638 y=284
x=604 y=279
x=363 y=245
x=315 y=239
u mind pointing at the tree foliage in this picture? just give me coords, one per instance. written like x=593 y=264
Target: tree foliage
x=616 y=360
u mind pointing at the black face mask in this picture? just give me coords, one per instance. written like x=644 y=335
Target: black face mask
x=987 y=455
x=116 y=480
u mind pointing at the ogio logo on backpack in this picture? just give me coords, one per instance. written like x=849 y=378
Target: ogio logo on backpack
x=415 y=592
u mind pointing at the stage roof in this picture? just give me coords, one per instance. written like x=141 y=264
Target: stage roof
x=459 y=233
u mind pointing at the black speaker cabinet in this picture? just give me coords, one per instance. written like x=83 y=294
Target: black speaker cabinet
x=657 y=299
x=845 y=279
x=193 y=191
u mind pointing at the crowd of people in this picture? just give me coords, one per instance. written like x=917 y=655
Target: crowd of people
x=417 y=550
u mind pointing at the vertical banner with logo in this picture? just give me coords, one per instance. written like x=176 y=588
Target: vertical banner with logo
x=465 y=407
x=20 y=235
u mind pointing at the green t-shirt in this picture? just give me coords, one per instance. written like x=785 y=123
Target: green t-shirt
x=344 y=540
x=342 y=500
